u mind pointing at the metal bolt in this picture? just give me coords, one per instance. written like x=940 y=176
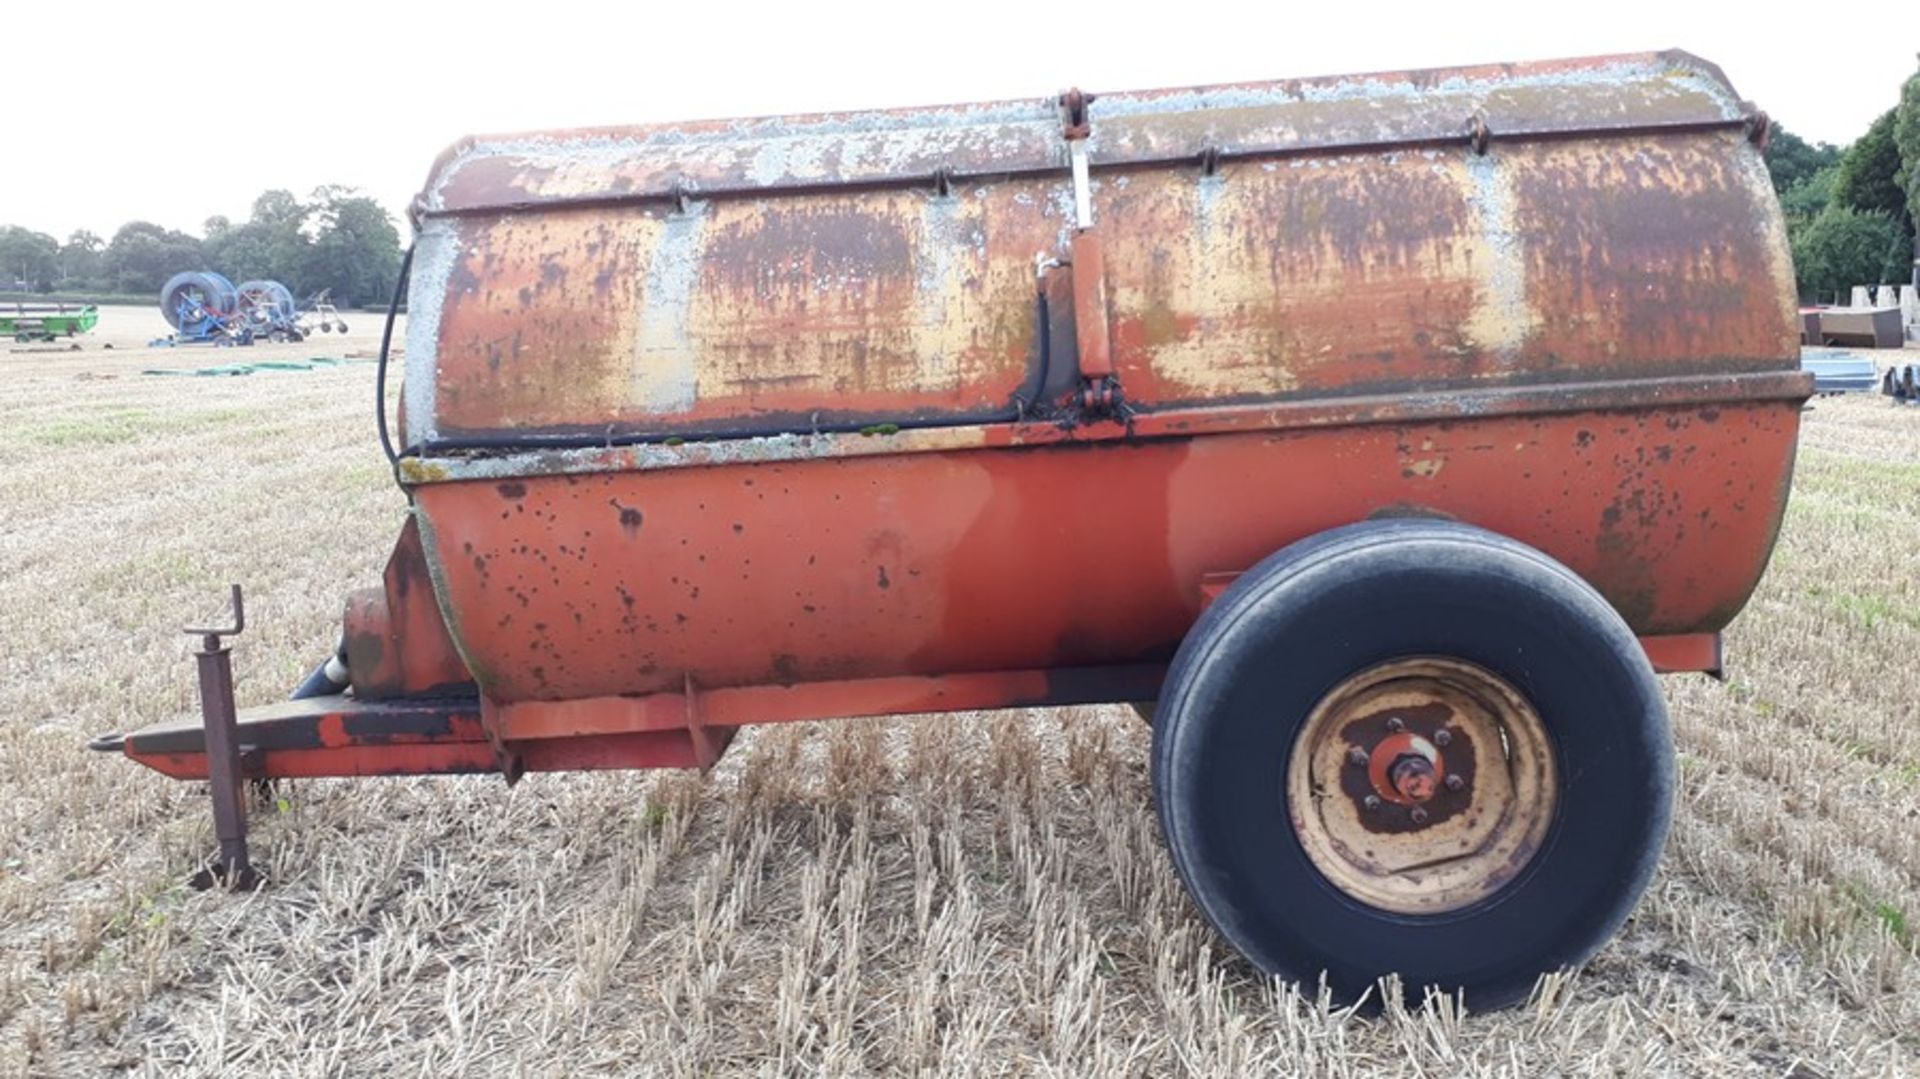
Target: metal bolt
x=1455 y=783
x=1357 y=756
x=1442 y=737
x=1396 y=724
x=1371 y=801
x=1417 y=815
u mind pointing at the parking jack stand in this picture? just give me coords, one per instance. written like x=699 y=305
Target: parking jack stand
x=232 y=868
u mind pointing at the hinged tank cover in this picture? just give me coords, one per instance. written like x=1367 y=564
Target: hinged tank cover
x=1557 y=222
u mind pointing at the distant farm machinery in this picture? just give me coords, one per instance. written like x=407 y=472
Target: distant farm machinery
x=28 y=322
x=204 y=307
x=269 y=311
x=322 y=314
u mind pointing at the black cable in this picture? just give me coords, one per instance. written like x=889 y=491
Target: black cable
x=380 y=377
x=1024 y=404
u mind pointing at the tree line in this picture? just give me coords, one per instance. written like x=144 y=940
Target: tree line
x=336 y=239
x=1851 y=210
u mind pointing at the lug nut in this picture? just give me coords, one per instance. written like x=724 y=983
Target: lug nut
x=1417 y=815
x=1356 y=756
x=1442 y=737
x=1396 y=724
x=1371 y=801
x=1455 y=783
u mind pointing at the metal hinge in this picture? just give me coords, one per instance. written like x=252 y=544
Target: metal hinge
x=1074 y=127
x=1099 y=390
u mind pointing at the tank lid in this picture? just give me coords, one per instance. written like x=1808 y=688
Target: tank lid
x=717 y=158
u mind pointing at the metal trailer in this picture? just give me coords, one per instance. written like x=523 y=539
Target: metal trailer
x=1390 y=432
x=26 y=322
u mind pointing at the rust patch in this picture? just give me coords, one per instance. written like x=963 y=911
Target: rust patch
x=630 y=517
x=1643 y=255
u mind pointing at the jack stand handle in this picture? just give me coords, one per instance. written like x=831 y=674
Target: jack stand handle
x=232 y=867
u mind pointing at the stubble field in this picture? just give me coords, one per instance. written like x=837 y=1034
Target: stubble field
x=982 y=893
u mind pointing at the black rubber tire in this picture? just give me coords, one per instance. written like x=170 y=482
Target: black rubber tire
x=1249 y=674
x=343 y=327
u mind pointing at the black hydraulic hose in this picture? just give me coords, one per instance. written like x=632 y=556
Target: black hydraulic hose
x=328 y=679
x=316 y=684
x=1025 y=402
x=380 y=375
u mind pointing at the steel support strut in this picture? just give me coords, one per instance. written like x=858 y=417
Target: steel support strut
x=232 y=867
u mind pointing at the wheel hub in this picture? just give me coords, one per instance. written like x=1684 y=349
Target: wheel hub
x=1421 y=785
x=1405 y=768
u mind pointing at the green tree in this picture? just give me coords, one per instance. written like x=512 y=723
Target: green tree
x=1792 y=161
x=356 y=248
x=143 y=255
x=1906 y=138
x=278 y=208
x=1806 y=198
x=255 y=250
x=28 y=259
x=80 y=260
x=272 y=243
x=277 y=245
x=1844 y=247
x=1869 y=170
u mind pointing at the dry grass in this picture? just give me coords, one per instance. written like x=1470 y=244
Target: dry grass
x=979 y=893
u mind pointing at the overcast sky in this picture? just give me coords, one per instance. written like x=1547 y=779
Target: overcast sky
x=167 y=113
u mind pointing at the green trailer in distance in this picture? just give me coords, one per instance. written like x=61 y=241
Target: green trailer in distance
x=46 y=321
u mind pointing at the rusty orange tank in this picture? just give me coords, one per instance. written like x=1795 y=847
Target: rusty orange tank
x=1388 y=430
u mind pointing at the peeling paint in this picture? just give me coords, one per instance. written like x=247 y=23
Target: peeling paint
x=666 y=361
x=435 y=251
x=1502 y=319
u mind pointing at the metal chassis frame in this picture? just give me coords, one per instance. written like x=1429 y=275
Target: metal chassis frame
x=467 y=733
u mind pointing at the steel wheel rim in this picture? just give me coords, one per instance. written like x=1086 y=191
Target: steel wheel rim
x=1402 y=817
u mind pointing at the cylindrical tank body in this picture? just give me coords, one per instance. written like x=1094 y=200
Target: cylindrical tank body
x=799 y=399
